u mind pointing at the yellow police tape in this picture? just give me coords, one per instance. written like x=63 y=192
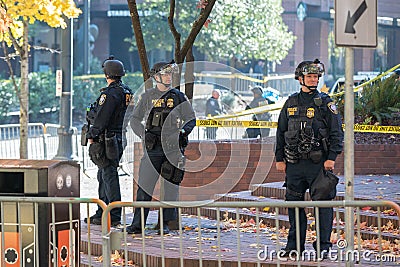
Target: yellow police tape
x=359 y=87
x=376 y=129
x=279 y=105
x=272 y=124
x=244 y=77
x=246 y=124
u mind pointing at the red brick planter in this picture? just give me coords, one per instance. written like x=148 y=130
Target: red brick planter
x=229 y=166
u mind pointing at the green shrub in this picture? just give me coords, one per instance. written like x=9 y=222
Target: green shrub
x=379 y=102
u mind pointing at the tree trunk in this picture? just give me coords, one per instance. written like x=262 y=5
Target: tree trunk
x=189 y=76
x=137 y=29
x=24 y=92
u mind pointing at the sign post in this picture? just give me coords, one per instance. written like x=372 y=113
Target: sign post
x=355 y=26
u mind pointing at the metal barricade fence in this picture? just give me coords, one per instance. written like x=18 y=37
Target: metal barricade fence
x=43 y=231
x=42 y=140
x=258 y=246
x=51 y=141
x=10 y=143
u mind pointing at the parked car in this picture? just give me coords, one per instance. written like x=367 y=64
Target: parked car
x=358 y=79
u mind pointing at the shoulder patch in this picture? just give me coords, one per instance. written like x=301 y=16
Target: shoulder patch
x=102 y=99
x=332 y=107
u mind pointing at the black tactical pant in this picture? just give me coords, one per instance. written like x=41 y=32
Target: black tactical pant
x=149 y=173
x=109 y=189
x=253 y=132
x=299 y=177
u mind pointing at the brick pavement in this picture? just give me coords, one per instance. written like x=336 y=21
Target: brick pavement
x=233 y=246
x=369 y=187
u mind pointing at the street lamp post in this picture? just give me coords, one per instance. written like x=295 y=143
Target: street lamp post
x=65 y=131
x=86 y=39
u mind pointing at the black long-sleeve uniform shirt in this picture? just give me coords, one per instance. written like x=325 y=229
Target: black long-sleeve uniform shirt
x=332 y=119
x=110 y=109
x=183 y=112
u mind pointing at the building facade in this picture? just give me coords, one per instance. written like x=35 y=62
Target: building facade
x=311 y=21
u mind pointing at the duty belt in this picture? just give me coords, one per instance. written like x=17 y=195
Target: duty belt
x=304 y=155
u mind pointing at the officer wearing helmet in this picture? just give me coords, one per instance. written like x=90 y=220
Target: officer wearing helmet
x=308 y=139
x=105 y=136
x=258 y=101
x=168 y=119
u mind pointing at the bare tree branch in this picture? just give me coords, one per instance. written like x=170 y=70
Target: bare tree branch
x=48 y=49
x=175 y=33
x=140 y=42
x=189 y=76
x=197 y=25
x=12 y=76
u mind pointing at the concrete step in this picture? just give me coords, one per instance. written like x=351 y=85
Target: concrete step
x=84 y=261
x=366 y=187
x=275 y=190
x=369 y=216
x=270 y=219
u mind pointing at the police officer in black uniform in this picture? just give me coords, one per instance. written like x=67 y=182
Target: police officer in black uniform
x=168 y=120
x=105 y=136
x=309 y=137
x=258 y=101
x=214 y=107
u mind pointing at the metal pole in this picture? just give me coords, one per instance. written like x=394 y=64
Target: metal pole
x=65 y=131
x=86 y=41
x=349 y=151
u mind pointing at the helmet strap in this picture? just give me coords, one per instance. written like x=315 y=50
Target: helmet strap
x=311 y=88
x=161 y=81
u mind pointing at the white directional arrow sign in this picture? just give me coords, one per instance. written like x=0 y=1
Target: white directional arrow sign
x=356 y=23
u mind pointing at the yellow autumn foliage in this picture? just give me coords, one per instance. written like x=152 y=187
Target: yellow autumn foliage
x=51 y=12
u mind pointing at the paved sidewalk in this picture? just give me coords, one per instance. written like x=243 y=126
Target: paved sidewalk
x=89 y=187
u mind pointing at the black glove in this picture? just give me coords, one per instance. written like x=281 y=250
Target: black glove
x=183 y=140
x=150 y=140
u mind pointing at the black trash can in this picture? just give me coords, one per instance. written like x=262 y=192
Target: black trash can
x=39 y=178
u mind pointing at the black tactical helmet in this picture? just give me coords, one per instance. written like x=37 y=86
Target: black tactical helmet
x=164 y=68
x=113 y=67
x=309 y=67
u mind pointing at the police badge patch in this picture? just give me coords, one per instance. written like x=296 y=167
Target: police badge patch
x=170 y=102
x=310 y=113
x=292 y=111
x=332 y=107
x=102 y=99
